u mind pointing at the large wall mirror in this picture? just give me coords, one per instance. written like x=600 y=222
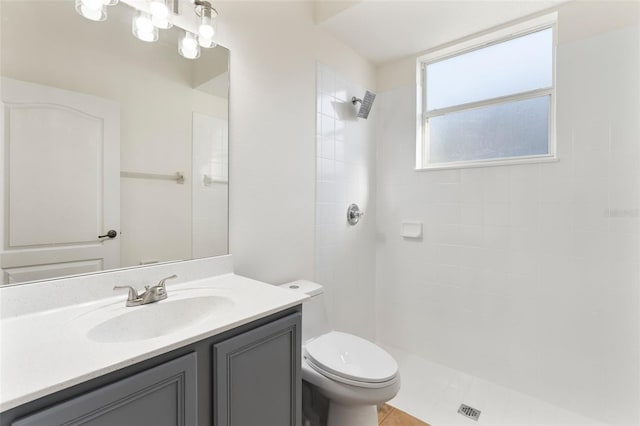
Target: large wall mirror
x=115 y=150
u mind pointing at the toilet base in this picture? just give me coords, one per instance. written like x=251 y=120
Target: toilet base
x=352 y=415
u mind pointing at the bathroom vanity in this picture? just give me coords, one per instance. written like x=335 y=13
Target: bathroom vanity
x=236 y=364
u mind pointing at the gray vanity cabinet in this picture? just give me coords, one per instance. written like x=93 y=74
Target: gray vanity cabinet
x=257 y=376
x=247 y=376
x=161 y=396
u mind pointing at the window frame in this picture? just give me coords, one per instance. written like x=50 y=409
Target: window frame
x=501 y=35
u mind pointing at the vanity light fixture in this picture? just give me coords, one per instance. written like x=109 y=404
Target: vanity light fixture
x=94 y=10
x=143 y=28
x=160 y=15
x=188 y=46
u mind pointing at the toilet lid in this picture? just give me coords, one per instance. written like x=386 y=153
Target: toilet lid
x=351 y=357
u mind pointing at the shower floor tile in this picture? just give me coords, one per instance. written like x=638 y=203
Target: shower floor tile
x=433 y=393
x=391 y=416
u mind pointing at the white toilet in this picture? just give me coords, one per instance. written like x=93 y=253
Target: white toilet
x=354 y=374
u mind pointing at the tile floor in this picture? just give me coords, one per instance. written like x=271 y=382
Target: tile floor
x=391 y=416
x=432 y=393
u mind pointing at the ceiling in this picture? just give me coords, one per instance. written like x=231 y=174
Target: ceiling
x=384 y=30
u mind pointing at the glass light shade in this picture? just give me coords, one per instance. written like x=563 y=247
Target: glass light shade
x=188 y=46
x=143 y=28
x=93 y=10
x=161 y=13
x=159 y=8
x=207 y=29
x=206 y=42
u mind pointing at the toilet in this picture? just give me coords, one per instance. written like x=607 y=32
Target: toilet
x=354 y=374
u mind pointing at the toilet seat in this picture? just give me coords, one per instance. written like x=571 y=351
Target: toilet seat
x=350 y=359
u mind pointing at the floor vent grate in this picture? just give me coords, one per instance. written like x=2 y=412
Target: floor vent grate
x=469 y=412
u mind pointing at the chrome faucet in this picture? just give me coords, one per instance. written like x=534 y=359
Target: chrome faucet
x=151 y=294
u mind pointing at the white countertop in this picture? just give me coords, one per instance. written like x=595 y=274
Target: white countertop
x=44 y=352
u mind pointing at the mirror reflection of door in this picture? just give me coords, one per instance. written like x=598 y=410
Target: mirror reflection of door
x=61 y=164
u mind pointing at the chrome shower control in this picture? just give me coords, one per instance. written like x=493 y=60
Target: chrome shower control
x=354 y=214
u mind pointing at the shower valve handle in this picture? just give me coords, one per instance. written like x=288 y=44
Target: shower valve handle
x=354 y=214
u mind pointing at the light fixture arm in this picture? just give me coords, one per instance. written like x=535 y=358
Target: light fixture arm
x=204 y=8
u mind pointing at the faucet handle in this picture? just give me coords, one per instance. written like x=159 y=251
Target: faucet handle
x=161 y=283
x=133 y=293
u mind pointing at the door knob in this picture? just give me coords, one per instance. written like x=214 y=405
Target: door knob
x=111 y=234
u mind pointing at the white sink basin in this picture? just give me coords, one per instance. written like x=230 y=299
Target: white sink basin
x=158 y=319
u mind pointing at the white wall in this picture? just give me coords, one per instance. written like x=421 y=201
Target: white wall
x=345 y=254
x=274 y=48
x=527 y=275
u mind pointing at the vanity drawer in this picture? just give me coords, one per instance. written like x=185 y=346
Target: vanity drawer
x=165 y=395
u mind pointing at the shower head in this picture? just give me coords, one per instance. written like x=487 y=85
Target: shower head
x=365 y=104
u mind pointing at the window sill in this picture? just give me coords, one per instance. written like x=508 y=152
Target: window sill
x=488 y=163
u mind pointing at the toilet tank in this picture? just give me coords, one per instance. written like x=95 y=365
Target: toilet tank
x=314 y=314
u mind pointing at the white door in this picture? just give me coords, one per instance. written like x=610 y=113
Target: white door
x=61 y=182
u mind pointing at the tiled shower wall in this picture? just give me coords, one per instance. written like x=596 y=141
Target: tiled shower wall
x=345 y=174
x=526 y=275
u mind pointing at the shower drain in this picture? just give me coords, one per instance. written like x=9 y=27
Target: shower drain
x=469 y=412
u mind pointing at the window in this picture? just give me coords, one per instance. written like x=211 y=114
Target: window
x=490 y=100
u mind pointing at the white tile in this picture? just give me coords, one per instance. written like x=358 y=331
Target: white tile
x=555 y=216
x=327 y=147
x=471 y=214
x=325 y=235
x=327 y=126
x=342 y=89
x=318 y=101
x=495 y=237
x=340 y=170
x=523 y=215
x=326 y=192
x=525 y=239
x=327 y=170
x=444 y=214
x=589 y=217
x=555 y=182
x=448 y=176
x=318 y=123
x=327 y=102
x=589 y=246
x=590 y=189
x=339 y=150
x=624 y=188
x=524 y=184
x=496 y=185
x=326 y=214
x=470 y=236
x=623 y=247
x=496 y=214
x=494 y=281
